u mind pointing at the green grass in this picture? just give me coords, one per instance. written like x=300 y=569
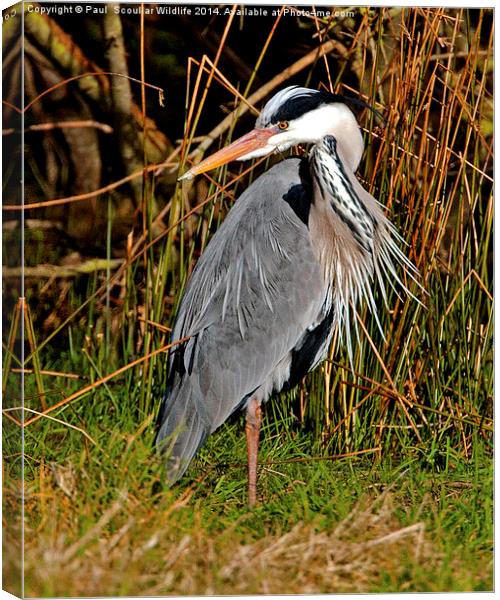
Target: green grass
x=99 y=524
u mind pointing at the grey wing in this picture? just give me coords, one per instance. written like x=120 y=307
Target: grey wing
x=255 y=291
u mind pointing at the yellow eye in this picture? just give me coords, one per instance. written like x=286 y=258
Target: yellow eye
x=283 y=124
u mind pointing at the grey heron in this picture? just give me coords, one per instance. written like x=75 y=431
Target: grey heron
x=299 y=250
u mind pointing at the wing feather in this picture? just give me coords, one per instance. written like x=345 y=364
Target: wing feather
x=254 y=292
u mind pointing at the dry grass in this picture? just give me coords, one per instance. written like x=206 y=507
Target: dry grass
x=158 y=559
x=344 y=531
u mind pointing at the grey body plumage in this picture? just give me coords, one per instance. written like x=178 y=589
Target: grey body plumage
x=258 y=270
x=299 y=250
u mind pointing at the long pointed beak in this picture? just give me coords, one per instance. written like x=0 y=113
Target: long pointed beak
x=254 y=140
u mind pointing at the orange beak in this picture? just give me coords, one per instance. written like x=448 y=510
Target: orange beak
x=254 y=140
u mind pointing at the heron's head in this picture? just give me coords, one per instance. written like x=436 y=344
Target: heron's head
x=293 y=116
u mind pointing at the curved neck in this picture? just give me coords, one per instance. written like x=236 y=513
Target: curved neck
x=328 y=168
x=348 y=137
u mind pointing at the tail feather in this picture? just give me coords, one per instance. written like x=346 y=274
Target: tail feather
x=182 y=430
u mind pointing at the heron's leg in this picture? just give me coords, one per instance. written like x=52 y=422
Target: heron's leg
x=252 y=428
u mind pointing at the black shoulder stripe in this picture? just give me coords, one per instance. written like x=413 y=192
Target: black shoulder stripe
x=300 y=202
x=300 y=195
